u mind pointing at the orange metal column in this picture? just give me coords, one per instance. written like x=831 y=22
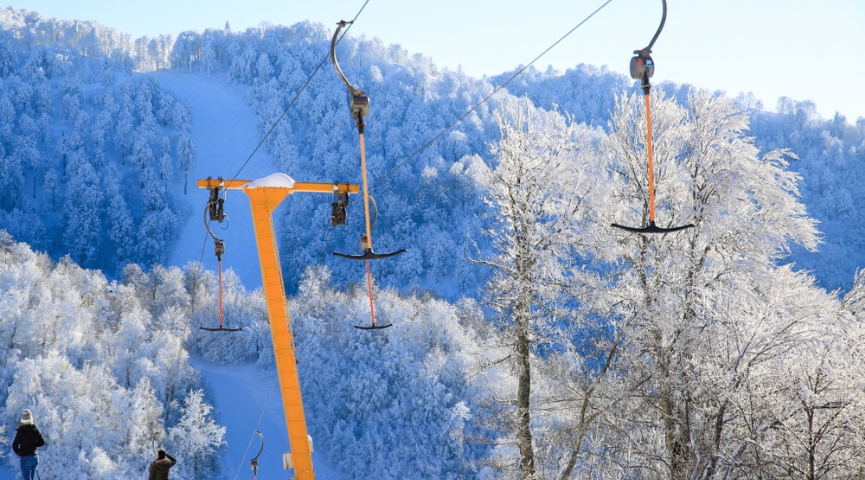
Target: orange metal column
x=264 y=201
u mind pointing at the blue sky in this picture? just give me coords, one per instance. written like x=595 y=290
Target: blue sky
x=797 y=48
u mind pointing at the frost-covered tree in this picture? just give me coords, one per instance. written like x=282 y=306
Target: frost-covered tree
x=97 y=362
x=186 y=50
x=263 y=68
x=73 y=98
x=410 y=408
x=120 y=223
x=711 y=306
x=28 y=157
x=197 y=436
x=156 y=231
x=242 y=65
x=185 y=152
x=536 y=190
x=8 y=53
x=11 y=180
x=83 y=210
x=7 y=119
x=50 y=187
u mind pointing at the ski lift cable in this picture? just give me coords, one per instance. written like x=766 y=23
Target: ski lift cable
x=515 y=75
x=294 y=100
x=302 y=311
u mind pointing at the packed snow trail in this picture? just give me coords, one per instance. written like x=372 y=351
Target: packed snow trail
x=238 y=394
x=224 y=129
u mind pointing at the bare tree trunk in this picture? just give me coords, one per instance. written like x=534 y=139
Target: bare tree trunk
x=524 y=390
x=676 y=432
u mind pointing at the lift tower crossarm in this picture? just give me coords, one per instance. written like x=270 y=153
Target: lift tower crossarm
x=264 y=196
x=299 y=187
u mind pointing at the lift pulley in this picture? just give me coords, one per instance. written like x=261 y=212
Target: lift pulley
x=215 y=211
x=359 y=106
x=338 y=209
x=642 y=68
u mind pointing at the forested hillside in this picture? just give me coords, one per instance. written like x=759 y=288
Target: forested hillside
x=67 y=84
x=91 y=157
x=531 y=339
x=102 y=365
x=432 y=202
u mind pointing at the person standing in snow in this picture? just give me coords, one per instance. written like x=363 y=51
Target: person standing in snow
x=27 y=439
x=159 y=469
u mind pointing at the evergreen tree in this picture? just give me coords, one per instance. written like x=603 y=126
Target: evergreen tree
x=197 y=436
x=83 y=211
x=8 y=53
x=120 y=223
x=185 y=154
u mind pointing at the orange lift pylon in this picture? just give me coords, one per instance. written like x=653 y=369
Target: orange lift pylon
x=264 y=196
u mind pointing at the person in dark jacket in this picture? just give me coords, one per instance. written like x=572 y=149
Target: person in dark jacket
x=159 y=469
x=27 y=439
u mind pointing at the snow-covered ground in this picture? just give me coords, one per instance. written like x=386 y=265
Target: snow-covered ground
x=240 y=399
x=225 y=135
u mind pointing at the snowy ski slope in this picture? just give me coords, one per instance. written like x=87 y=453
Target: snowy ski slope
x=225 y=135
x=241 y=395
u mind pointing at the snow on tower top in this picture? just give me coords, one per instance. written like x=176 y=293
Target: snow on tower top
x=275 y=180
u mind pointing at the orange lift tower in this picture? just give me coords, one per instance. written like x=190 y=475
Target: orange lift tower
x=265 y=195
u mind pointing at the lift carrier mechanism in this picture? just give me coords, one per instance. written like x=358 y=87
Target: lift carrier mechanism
x=264 y=196
x=642 y=68
x=359 y=106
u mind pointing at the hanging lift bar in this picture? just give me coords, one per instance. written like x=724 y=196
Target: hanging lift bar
x=265 y=195
x=642 y=68
x=215 y=210
x=359 y=106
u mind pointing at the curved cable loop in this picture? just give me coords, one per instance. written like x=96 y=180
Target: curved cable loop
x=648 y=50
x=254 y=462
x=258 y=432
x=227 y=224
x=375 y=211
x=351 y=89
x=207 y=224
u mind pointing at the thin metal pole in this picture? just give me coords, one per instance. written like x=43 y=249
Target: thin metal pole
x=369 y=288
x=651 y=170
x=219 y=262
x=365 y=187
